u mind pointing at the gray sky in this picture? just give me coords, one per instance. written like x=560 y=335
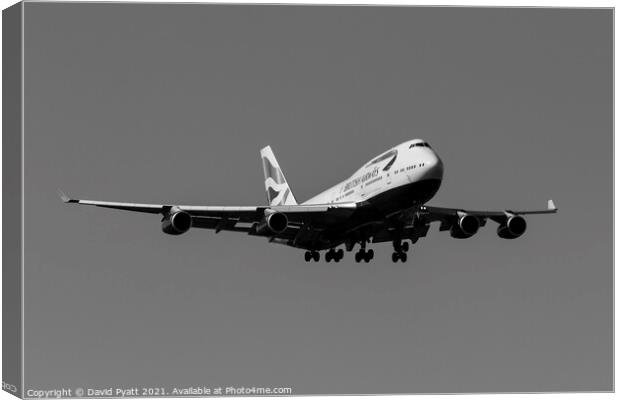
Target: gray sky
x=171 y=103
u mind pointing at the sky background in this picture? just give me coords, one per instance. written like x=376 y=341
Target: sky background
x=171 y=104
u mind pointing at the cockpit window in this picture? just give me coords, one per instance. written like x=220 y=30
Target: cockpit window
x=419 y=144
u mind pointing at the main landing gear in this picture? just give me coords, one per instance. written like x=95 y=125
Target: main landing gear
x=312 y=255
x=400 y=251
x=335 y=255
x=363 y=254
x=331 y=254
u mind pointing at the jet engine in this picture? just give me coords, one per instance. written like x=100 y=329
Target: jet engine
x=176 y=223
x=273 y=223
x=512 y=228
x=466 y=226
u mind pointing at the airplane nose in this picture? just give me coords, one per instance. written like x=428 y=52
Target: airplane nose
x=435 y=168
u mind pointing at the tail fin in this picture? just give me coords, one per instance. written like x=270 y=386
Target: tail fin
x=278 y=191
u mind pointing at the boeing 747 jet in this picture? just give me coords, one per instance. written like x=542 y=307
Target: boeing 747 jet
x=383 y=201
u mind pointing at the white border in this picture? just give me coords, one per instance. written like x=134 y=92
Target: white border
x=480 y=3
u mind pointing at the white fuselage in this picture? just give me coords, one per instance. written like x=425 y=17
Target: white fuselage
x=408 y=163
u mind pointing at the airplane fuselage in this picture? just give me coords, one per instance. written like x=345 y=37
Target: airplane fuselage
x=408 y=173
x=403 y=177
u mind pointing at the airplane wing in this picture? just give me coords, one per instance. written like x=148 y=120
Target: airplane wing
x=233 y=218
x=440 y=213
x=465 y=223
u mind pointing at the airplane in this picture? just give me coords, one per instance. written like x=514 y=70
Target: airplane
x=383 y=201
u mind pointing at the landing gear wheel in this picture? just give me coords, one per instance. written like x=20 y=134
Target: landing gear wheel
x=405 y=246
x=397 y=246
x=403 y=257
x=395 y=256
x=358 y=256
x=370 y=254
x=316 y=256
x=307 y=256
x=335 y=255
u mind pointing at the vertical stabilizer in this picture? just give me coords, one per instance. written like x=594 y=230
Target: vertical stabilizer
x=278 y=191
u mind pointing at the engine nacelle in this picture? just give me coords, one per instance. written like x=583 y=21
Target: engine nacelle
x=176 y=223
x=466 y=226
x=272 y=224
x=513 y=227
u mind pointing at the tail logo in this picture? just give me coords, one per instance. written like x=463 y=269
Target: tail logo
x=278 y=191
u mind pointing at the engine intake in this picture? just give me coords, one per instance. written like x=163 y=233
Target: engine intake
x=466 y=226
x=273 y=224
x=176 y=223
x=513 y=227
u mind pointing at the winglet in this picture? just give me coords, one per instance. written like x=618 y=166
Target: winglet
x=65 y=198
x=551 y=205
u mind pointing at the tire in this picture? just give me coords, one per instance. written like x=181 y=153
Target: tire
x=370 y=254
x=358 y=257
x=340 y=253
x=395 y=257
x=403 y=257
x=405 y=246
x=307 y=256
x=316 y=256
x=328 y=256
x=397 y=246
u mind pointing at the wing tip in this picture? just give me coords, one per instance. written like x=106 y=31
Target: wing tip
x=65 y=198
x=551 y=205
